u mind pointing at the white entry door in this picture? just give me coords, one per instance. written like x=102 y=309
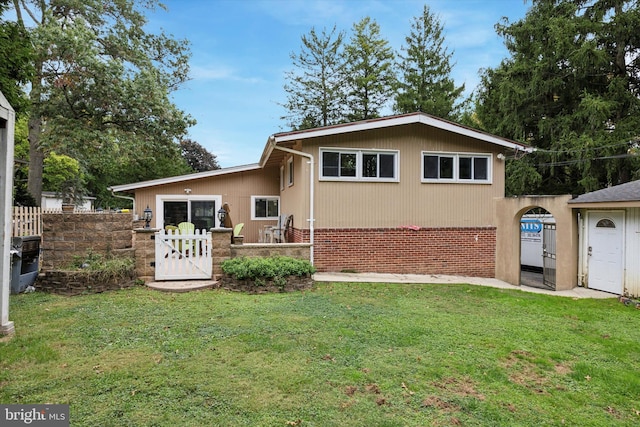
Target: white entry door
x=605 y=251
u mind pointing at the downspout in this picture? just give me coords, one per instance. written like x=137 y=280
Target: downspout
x=311 y=188
x=133 y=200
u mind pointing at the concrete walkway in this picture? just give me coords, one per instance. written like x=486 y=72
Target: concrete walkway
x=192 y=285
x=182 y=285
x=578 y=292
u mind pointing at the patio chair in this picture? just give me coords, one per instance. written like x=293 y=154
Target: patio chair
x=279 y=233
x=236 y=233
x=186 y=228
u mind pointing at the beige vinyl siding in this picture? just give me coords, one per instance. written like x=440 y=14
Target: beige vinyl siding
x=294 y=199
x=632 y=252
x=408 y=202
x=235 y=189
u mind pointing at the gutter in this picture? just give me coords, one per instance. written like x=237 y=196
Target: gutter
x=133 y=200
x=272 y=143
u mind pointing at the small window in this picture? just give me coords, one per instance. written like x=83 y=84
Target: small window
x=359 y=165
x=265 y=207
x=281 y=177
x=605 y=223
x=290 y=170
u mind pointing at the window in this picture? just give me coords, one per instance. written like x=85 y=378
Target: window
x=265 y=207
x=358 y=165
x=290 y=170
x=281 y=177
x=453 y=167
x=606 y=223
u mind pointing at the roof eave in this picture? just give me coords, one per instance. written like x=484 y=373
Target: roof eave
x=182 y=178
x=385 y=122
x=604 y=205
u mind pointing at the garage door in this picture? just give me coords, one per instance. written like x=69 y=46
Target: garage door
x=605 y=251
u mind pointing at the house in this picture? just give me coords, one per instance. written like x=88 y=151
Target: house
x=609 y=249
x=400 y=194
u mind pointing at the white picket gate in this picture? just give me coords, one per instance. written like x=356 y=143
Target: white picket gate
x=183 y=256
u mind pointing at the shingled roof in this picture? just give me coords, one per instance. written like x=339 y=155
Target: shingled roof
x=629 y=192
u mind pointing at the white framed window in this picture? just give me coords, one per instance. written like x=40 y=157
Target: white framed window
x=265 y=207
x=290 y=171
x=456 y=167
x=359 y=165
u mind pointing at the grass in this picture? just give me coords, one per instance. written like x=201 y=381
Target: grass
x=342 y=354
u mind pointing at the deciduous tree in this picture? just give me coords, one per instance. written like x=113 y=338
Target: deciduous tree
x=101 y=83
x=16 y=66
x=197 y=157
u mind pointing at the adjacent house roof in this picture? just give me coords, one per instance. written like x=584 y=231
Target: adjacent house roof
x=629 y=192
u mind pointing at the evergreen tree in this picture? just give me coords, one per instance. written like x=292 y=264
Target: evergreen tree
x=425 y=71
x=370 y=74
x=571 y=89
x=315 y=87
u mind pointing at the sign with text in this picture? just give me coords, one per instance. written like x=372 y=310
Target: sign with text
x=34 y=415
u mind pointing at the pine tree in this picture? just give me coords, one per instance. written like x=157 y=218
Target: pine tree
x=315 y=86
x=425 y=68
x=571 y=88
x=370 y=73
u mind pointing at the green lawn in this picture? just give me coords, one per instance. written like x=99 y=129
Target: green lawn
x=340 y=355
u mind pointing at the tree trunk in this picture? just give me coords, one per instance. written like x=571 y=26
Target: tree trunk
x=36 y=159
x=36 y=156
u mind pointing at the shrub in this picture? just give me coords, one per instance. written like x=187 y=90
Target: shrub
x=274 y=268
x=104 y=266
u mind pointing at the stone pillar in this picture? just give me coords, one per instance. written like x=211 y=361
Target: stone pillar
x=145 y=252
x=221 y=241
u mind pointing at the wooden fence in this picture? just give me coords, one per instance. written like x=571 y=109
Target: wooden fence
x=27 y=221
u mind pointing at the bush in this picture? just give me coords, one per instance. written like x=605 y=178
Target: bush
x=275 y=268
x=104 y=266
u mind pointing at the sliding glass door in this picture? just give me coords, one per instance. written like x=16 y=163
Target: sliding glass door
x=199 y=210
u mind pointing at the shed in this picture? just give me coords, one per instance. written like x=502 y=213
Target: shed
x=609 y=248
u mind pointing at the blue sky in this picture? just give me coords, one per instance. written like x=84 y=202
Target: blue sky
x=241 y=51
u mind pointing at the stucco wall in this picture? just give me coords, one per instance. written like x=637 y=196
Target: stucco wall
x=507 y=214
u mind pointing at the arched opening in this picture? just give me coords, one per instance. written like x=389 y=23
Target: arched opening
x=538 y=248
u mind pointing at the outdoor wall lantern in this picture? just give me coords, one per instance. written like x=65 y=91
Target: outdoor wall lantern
x=222 y=215
x=147 y=215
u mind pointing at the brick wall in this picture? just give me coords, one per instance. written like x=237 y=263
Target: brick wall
x=65 y=235
x=452 y=251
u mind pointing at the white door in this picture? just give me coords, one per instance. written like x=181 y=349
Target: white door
x=605 y=251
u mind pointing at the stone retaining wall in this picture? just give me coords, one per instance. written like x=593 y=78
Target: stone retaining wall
x=66 y=235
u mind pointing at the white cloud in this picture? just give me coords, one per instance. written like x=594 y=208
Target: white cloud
x=220 y=72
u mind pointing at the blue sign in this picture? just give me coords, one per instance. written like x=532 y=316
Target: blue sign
x=530 y=226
